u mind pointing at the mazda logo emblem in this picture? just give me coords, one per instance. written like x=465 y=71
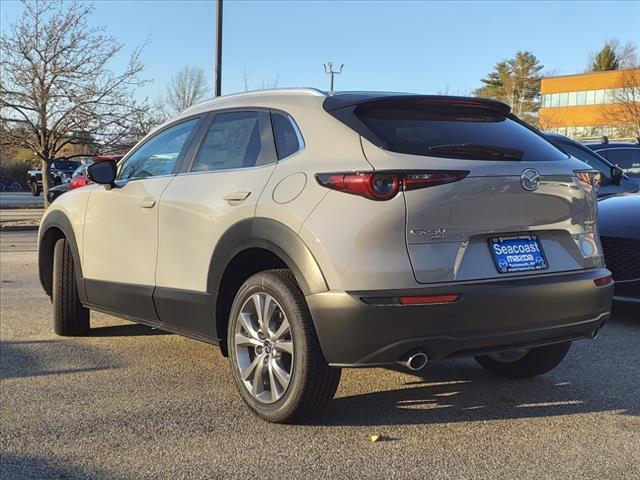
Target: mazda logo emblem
x=530 y=179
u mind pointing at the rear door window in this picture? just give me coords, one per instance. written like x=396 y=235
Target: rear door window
x=437 y=129
x=233 y=141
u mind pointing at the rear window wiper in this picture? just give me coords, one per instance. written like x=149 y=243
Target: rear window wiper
x=476 y=151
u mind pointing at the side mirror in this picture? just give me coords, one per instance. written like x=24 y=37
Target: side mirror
x=103 y=172
x=616 y=175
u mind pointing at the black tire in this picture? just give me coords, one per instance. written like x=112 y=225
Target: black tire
x=537 y=361
x=70 y=318
x=35 y=191
x=312 y=382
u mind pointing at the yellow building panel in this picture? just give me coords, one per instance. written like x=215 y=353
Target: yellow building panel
x=587 y=115
x=587 y=81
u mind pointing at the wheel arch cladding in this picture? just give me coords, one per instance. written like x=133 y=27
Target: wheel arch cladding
x=251 y=246
x=55 y=226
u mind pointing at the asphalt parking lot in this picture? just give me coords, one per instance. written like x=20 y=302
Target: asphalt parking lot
x=131 y=402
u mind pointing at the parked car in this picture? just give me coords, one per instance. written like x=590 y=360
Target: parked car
x=61 y=170
x=620 y=237
x=613 y=179
x=79 y=177
x=625 y=155
x=304 y=232
x=55 y=192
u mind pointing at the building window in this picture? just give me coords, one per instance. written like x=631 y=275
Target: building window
x=564 y=99
x=599 y=97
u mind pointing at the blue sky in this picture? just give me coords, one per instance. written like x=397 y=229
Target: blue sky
x=426 y=47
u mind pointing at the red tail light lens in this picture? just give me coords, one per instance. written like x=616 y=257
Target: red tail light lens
x=417 y=180
x=79 y=181
x=386 y=185
x=376 y=186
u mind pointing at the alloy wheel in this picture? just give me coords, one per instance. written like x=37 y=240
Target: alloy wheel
x=264 y=348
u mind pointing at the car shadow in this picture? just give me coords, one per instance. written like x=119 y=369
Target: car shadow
x=35 y=358
x=15 y=466
x=597 y=376
x=126 y=330
x=459 y=391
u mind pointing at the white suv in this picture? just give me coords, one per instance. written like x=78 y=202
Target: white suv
x=304 y=232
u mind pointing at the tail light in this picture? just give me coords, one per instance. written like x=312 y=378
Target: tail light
x=386 y=185
x=591 y=179
x=79 y=181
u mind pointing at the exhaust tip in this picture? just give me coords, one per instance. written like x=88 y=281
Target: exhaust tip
x=415 y=361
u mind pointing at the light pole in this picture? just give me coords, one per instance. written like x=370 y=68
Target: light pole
x=218 y=54
x=331 y=72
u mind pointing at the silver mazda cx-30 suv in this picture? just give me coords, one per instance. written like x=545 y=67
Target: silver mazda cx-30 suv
x=304 y=232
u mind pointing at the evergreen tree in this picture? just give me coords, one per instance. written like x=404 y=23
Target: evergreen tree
x=515 y=81
x=606 y=59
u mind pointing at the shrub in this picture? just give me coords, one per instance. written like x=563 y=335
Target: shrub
x=16 y=171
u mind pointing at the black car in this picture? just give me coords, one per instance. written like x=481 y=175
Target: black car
x=61 y=171
x=620 y=237
x=625 y=155
x=55 y=192
x=614 y=180
x=68 y=184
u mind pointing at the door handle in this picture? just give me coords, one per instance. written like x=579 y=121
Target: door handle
x=236 y=196
x=147 y=202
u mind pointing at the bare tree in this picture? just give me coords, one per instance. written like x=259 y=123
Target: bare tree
x=624 y=109
x=185 y=89
x=57 y=81
x=263 y=86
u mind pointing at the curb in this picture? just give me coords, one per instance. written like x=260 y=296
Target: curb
x=19 y=228
x=22 y=206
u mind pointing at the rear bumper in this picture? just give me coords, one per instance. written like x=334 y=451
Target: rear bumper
x=488 y=316
x=627 y=291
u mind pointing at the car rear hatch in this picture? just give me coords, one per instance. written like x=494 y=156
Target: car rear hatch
x=516 y=207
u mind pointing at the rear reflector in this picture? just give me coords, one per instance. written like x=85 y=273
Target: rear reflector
x=428 y=299
x=601 y=282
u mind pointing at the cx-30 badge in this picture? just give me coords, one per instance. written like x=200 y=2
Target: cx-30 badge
x=429 y=233
x=530 y=179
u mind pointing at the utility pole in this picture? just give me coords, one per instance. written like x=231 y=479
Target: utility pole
x=218 y=56
x=331 y=72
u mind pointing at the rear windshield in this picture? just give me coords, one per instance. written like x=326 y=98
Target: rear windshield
x=454 y=131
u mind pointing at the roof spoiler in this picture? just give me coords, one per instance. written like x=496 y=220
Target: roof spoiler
x=344 y=100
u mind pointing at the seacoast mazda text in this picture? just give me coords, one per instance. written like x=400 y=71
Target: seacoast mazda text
x=304 y=232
